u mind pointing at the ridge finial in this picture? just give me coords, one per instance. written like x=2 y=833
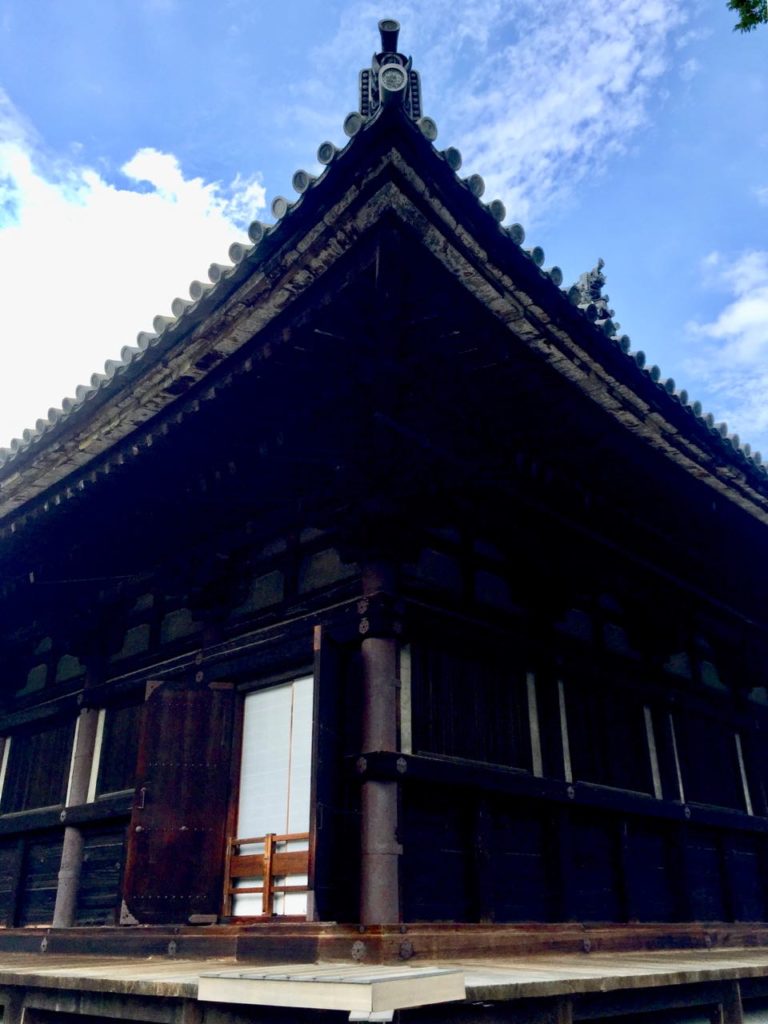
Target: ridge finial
x=389 y=30
x=390 y=78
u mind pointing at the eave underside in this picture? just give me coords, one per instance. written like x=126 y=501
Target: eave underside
x=386 y=393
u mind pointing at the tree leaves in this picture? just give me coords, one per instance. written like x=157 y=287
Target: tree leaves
x=751 y=14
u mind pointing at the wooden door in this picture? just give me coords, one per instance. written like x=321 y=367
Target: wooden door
x=335 y=799
x=176 y=839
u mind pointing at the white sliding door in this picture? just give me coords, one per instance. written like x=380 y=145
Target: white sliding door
x=275 y=778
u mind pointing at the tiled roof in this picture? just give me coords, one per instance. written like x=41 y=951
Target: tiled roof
x=585 y=295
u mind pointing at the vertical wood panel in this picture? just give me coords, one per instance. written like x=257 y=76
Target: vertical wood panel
x=595 y=877
x=470 y=703
x=704 y=875
x=744 y=878
x=38 y=768
x=437 y=863
x=119 y=749
x=11 y=867
x=709 y=760
x=335 y=825
x=176 y=839
x=649 y=872
x=41 y=876
x=98 y=896
x=521 y=866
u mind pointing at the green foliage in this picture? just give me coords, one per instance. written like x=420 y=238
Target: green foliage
x=751 y=13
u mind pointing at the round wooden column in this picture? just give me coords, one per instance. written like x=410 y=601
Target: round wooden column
x=380 y=851
x=72 y=852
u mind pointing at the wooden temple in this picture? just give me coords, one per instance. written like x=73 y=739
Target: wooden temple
x=381 y=606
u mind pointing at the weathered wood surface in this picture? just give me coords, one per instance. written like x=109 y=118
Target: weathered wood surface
x=168 y=978
x=486 y=979
x=516 y=978
x=267 y=868
x=175 y=848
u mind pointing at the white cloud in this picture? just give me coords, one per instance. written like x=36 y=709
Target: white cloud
x=732 y=357
x=740 y=332
x=566 y=95
x=695 y=34
x=689 y=69
x=86 y=263
x=761 y=194
x=534 y=114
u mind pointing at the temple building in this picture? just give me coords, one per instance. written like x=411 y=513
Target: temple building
x=382 y=636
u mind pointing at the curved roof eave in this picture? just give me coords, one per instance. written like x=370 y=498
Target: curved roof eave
x=211 y=325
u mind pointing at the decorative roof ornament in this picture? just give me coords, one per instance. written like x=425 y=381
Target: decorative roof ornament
x=389 y=80
x=591 y=284
x=587 y=294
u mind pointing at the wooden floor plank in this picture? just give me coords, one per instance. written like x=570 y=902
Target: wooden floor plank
x=486 y=978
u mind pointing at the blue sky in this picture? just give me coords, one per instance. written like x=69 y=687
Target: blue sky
x=139 y=137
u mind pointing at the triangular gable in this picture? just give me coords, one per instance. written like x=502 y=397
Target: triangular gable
x=390 y=170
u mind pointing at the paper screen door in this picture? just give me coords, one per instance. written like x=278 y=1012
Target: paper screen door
x=275 y=776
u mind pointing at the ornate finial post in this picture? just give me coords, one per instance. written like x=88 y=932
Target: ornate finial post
x=390 y=78
x=389 y=30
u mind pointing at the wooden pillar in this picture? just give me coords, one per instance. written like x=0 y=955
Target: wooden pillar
x=12 y=1003
x=72 y=853
x=564 y=1011
x=730 y=1010
x=380 y=850
x=192 y=1012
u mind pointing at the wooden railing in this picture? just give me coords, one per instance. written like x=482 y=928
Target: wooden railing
x=274 y=862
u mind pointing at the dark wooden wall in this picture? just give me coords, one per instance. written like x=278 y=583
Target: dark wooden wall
x=595 y=825
x=494 y=825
